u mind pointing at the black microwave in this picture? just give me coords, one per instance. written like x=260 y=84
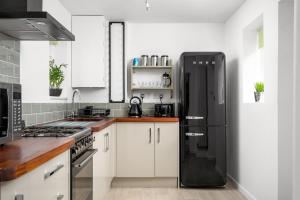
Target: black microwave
x=10 y=111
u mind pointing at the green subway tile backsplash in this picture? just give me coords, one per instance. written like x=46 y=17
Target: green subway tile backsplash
x=9 y=60
x=39 y=113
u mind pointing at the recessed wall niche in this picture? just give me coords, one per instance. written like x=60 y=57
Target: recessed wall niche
x=59 y=53
x=253 y=58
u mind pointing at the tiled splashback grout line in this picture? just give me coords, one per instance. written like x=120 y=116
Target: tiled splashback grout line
x=39 y=113
x=9 y=60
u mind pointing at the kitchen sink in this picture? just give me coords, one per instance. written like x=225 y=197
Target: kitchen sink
x=86 y=119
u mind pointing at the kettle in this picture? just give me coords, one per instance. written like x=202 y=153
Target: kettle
x=135 y=108
x=166 y=80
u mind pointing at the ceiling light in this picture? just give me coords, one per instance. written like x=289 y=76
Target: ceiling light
x=147 y=5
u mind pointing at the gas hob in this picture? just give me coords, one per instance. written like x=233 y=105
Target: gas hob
x=55 y=131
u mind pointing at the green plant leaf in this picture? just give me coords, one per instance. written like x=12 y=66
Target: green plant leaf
x=56 y=74
x=259 y=87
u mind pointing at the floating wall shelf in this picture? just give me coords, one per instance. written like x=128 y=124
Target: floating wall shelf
x=140 y=73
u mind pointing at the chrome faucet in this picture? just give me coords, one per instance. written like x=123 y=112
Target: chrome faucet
x=76 y=91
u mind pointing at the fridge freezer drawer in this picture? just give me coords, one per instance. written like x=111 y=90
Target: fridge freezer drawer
x=202 y=156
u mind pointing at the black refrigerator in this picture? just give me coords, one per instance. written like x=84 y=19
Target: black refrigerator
x=202 y=113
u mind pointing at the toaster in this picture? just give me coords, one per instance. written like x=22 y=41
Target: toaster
x=164 y=110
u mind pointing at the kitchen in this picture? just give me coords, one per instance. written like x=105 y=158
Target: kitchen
x=97 y=99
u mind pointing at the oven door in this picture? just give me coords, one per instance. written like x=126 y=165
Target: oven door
x=82 y=176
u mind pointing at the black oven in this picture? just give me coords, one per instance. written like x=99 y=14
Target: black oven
x=82 y=169
x=10 y=111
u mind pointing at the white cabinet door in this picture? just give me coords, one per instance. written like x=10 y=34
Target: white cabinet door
x=112 y=151
x=103 y=162
x=166 y=149
x=35 y=186
x=20 y=186
x=88 y=61
x=99 y=166
x=135 y=150
x=58 y=183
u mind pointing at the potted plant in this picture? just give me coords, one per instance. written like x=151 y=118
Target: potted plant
x=259 y=89
x=56 y=77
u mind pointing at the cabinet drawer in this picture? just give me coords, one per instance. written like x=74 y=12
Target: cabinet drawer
x=39 y=184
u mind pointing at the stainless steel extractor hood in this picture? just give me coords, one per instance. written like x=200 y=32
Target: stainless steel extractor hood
x=25 y=20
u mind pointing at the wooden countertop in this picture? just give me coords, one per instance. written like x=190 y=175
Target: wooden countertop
x=107 y=122
x=25 y=154
x=147 y=119
x=98 y=126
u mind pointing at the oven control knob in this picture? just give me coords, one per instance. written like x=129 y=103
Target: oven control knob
x=77 y=150
x=73 y=151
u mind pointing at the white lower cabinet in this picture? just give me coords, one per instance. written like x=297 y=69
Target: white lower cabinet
x=166 y=149
x=103 y=162
x=147 y=149
x=50 y=181
x=135 y=150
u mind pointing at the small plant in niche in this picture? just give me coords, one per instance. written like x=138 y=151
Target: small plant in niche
x=259 y=89
x=56 y=77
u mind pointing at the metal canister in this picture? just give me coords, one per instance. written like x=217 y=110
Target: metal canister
x=164 y=60
x=154 y=60
x=144 y=60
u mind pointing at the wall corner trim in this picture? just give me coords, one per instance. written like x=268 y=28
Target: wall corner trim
x=242 y=189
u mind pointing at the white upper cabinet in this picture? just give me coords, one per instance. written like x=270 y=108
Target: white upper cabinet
x=58 y=11
x=88 y=60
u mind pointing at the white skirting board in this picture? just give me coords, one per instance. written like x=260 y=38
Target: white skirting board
x=243 y=190
x=144 y=182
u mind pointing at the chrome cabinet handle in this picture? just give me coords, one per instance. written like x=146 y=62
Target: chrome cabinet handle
x=158 y=135
x=150 y=135
x=19 y=197
x=80 y=165
x=194 y=117
x=194 y=134
x=108 y=147
x=60 y=196
x=105 y=148
x=106 y=142
x=48 y=174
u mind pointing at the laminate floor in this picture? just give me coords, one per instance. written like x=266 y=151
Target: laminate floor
x=227 y=193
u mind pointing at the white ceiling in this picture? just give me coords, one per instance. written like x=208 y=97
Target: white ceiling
x=160 y=11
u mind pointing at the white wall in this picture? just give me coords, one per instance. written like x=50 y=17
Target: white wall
x=58 y=11
x=34 y=61
x=285 y=98
x=172 y=39
x=164 y=38
x=296 y=136
x=252 y=133
x=141 y=38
